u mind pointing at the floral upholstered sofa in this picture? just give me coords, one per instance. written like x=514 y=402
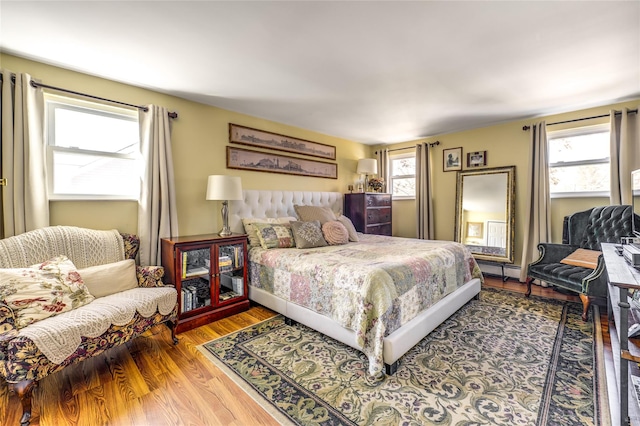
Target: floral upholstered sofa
x=69 y=293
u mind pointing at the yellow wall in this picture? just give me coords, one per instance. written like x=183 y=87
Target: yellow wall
x=506 y=144
x=199 y=140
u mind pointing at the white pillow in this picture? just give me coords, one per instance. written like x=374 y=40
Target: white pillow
x=353 y=234
x=110 y=278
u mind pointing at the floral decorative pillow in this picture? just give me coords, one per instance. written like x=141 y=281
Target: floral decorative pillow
x=43 y=290
x=251 y=231
x=274 y=235
x=308 y=234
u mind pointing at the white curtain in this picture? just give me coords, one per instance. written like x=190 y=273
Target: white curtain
x=157 y=213
x=625 y=153
x=424 y=193
x=537 y=224
x=25 y=206
x=383 y=168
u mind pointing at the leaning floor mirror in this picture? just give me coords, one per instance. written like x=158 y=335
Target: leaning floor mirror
x=485 y=216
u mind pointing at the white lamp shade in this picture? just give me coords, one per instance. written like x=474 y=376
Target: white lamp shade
x=222 y=187
x=367 y=166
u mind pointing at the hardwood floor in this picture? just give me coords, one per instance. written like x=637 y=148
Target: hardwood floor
x=150 y=382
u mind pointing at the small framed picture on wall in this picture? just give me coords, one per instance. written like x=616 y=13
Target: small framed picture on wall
x=477 y=159
x=452 y=159
x=474 y=229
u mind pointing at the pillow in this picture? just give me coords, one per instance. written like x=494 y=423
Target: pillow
x=335 y=233
x=250 y=230
x=103 y=280
x=353 y=234
x=273 y=235
x=311 y=213
x=308 y=234
x=583 y=257
x=43 y=290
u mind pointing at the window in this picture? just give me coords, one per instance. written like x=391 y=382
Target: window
x=93 y=150
x=402 y=174
x=579 y=162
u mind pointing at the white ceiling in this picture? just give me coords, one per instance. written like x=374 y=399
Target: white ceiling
x=369 y=71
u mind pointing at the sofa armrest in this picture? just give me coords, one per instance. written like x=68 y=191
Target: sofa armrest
x=596 y=283
x=150 y=276
x=8 y=330
x=554 y=253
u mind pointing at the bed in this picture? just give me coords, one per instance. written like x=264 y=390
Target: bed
x=380 y=295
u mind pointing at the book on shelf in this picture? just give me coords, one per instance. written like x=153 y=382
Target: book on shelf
x=238 y=285
x=228 y=295
x=196 y=270
x=234 y=254
x=191 y=297
x=185 y=298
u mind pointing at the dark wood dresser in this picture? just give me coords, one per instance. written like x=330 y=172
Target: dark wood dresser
x=370 y=212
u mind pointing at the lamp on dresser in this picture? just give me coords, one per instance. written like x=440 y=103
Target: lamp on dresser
x=367 y=166
x=224 y=188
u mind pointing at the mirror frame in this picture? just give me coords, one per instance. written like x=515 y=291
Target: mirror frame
x=509 y=211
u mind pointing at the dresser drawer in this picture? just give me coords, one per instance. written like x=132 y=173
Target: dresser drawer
x=378 y=200
x=378 y=215
x=379 y=229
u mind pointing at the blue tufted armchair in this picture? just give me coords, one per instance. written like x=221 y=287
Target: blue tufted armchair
x=586 y=229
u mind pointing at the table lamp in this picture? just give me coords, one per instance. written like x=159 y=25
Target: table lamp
x=224 y=188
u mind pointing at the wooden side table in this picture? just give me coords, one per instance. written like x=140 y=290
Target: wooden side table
x=210 y=275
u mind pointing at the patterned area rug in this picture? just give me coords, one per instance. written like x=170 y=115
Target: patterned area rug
x=500 y=360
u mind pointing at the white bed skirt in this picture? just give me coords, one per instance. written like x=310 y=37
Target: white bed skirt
x=397 y=343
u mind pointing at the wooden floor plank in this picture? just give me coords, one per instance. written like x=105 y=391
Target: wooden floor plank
x=149 y=381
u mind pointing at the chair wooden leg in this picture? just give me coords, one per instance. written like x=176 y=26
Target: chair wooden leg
x=529 y=281
x=172 y=326
x=24 y=390
x=586 y=302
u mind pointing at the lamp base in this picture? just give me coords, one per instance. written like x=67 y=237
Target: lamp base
x=225 y=232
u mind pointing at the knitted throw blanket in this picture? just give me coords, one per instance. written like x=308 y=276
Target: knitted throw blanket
x=85 y=247
x=59 y=336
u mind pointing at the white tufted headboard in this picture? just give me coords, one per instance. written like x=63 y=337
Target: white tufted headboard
x=258 y=203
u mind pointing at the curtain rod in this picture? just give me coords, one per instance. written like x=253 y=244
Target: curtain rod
x=46 y=86
x=631 y=111
x=411 y=147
